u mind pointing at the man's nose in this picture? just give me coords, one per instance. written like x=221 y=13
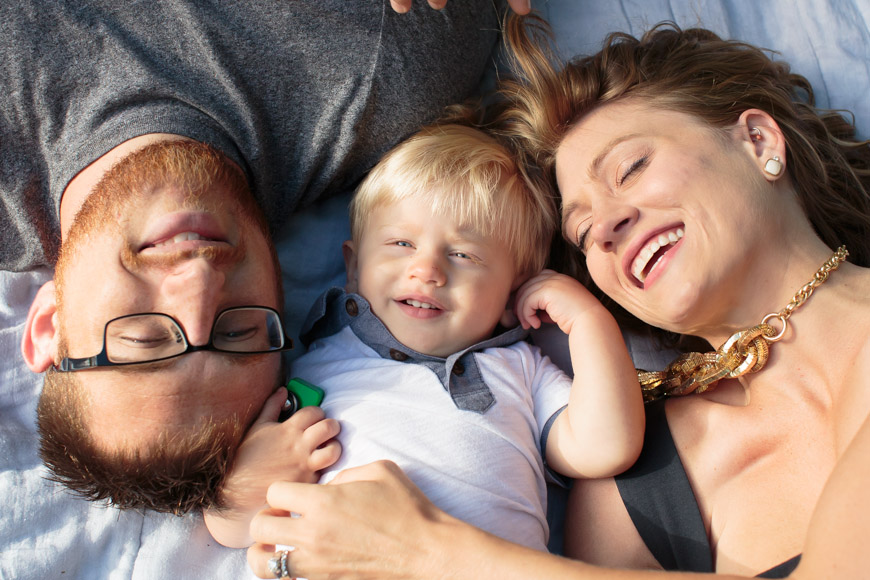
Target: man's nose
x=192 y=291
x=427 y=268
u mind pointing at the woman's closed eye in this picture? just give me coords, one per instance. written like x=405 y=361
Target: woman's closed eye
x=582 y=234
x=634 y=167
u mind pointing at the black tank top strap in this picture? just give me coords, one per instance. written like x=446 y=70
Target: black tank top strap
x=657 y=494
x=783 y=569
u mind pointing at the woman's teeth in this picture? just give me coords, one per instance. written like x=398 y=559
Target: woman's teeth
x=639 y=268
x=182 y=237
x=418 y=304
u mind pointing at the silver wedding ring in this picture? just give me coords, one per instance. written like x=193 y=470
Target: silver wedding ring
x=278 y=565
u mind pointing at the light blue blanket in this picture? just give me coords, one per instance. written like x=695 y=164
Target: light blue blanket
x=45 y=533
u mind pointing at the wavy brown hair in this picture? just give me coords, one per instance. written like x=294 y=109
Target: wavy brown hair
x=693 y=71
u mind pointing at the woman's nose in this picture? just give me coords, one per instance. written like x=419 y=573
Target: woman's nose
x=611 y=222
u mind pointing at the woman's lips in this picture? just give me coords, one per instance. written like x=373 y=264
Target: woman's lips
x=649 y=256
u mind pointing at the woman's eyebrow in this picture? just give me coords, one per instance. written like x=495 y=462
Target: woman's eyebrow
x=595 y=166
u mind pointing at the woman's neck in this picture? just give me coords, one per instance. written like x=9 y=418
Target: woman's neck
x=822 y=339
x=768 y=286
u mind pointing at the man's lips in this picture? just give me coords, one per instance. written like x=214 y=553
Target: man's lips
x=183 y=231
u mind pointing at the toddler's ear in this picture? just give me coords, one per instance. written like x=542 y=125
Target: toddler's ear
x=509 y=316
x=39 y=344
x=350 y=265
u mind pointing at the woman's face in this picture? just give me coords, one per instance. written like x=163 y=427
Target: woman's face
x=667 y=210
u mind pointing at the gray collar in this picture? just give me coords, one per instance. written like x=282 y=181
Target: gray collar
x=459 y=373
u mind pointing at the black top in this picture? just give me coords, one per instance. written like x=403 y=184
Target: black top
x=657 y=494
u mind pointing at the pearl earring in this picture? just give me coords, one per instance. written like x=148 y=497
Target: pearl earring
x=773 y=166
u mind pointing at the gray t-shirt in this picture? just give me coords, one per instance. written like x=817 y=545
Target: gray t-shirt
x=305 y=95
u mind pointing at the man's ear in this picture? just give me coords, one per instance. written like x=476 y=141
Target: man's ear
x=350 y=265
x=39 y=344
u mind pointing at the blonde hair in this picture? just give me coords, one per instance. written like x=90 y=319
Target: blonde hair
x=467 y=174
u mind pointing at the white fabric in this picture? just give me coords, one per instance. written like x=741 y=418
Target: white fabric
x=44 y=532
x=486 y=468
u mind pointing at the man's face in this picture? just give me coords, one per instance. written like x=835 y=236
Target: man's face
x=161 y=234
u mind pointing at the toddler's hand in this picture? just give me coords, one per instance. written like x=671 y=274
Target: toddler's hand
x=553 y=297
x=295 y=450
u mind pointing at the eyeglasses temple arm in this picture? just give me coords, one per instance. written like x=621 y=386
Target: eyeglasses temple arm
x=77 y=364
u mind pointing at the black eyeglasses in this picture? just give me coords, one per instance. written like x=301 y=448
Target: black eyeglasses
x=152 y=336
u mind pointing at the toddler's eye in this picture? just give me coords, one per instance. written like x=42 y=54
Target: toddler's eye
x=462 y=255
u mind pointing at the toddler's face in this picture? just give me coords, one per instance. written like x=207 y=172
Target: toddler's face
x=437 y=287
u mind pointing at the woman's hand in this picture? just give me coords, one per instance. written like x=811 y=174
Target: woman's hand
x=368 y=522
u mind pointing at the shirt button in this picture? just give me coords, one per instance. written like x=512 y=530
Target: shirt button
x=351 y=307
x=398 y=355
x=458 y=369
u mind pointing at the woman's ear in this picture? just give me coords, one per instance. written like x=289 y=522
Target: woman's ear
x=766 y=141
x=350 y=265
x=39 y=344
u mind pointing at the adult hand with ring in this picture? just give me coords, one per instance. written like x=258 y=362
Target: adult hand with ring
x=278 y=564
x=347 y=528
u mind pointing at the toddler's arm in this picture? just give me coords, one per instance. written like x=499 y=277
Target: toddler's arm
x=600 y=434
x=294 y=450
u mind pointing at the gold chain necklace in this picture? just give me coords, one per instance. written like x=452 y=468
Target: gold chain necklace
x=745 y=351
